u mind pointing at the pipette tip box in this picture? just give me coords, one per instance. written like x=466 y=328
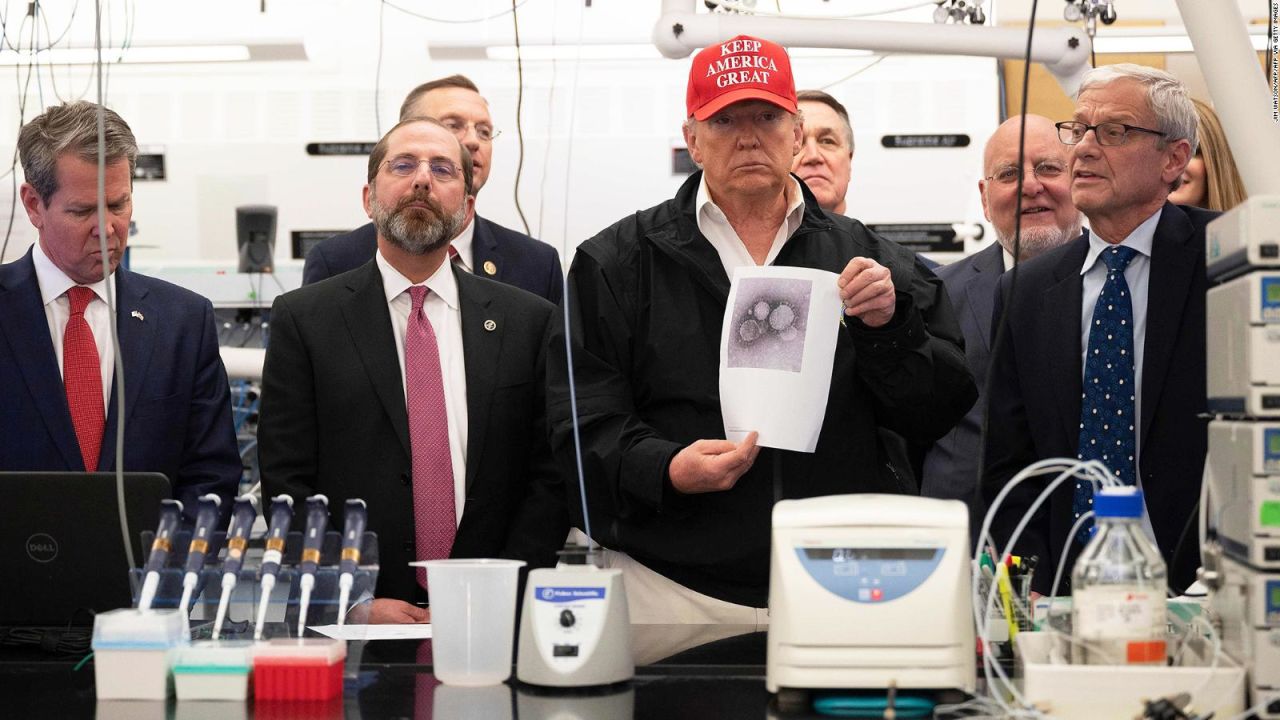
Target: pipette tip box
x=298 y=669
x=132 y=652
x=213 y=670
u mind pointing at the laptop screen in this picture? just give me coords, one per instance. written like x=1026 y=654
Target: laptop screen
x=61 y=545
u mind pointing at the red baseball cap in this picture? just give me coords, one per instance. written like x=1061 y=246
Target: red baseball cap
x=744 y=68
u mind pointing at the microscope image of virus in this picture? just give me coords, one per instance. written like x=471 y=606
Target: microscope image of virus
x=767 y=330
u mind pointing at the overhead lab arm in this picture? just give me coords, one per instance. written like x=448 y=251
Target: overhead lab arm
x=1239 y=90
x=1063 y=50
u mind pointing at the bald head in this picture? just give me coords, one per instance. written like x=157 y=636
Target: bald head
x=1048 y=216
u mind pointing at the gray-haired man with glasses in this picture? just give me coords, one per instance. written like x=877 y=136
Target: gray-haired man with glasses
x=416 y=385
x=481 y=246
x=1044 y=219
x=1104 y=357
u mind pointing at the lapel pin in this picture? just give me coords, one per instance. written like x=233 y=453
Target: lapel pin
x=490 y=268
x=138 y=314
x=490 y=325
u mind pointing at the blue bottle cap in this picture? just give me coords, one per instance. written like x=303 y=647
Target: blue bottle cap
x=1121 y=502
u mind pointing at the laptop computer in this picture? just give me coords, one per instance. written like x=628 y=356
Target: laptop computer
x=61 y=549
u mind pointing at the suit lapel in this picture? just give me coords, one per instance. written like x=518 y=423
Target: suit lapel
x=27 y=330
x=481 y=349
x=368 y=321
x=981 y=290
x=484 y=249
x=1173 y=265
x=137 y=340
x=1060 y=312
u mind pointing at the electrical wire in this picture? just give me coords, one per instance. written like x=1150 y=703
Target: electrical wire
x=551 y=106
x=573 y=118
x=739 y=8
x=857 y=72
x=377 y=73
x=515 y=192
x=452 y=21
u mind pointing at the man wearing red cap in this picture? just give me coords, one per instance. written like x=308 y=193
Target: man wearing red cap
x=687 y=513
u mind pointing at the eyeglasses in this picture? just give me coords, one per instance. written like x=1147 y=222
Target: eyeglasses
x=407 y=165
x=1046 y=170
x=764 y=120
x=484 y=131
x=1072 y=132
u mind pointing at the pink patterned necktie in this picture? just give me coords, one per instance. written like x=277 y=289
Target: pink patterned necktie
x=433 y=508
x=82 y=377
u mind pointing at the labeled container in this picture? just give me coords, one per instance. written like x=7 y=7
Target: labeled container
x=1118 y=588
x=213 y=670
x=298 y=669
x=131 y=652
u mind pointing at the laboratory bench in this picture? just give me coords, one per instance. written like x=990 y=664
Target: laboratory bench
x=686 y=671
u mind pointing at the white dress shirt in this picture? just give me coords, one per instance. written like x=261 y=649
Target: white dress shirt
x=1138 y=276
x=462 y=243
x=445 y=315
x=54 y=285
x=714 y=225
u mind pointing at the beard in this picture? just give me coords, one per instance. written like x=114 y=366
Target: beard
x=417 y=231
x=1037 y=240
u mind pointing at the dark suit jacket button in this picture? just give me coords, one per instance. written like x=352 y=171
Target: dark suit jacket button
x=405 y=478
x=408 y=547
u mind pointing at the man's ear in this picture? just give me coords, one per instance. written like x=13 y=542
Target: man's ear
x=35 y=207
x=365 y=197
x=1179 y=155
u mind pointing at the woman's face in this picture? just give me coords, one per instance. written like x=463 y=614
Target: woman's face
x=1193 y=190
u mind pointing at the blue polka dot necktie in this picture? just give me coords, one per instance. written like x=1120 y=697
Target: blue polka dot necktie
x=1107 y=419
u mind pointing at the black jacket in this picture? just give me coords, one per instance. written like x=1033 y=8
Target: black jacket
x=647 y=297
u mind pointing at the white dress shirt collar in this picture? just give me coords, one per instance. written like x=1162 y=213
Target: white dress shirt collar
x=715 y=226
x=442 y=283
x=54 y=283
x=1141 y=239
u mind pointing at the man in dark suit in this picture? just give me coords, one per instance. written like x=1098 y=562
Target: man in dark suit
x=1138 y=277
x=57 y=365
x=1044 y=219
x=483 y=247
x=416 y=386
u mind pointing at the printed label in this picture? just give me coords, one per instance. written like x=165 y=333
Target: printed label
x=1116 y=613
x=568 y=594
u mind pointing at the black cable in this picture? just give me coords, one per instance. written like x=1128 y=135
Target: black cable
x=1003 y=321
x=420 y=16
x=515 y=192
x=13 y=163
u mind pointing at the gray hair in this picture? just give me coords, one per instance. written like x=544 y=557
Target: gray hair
x=71 y=128
x=1166 y=96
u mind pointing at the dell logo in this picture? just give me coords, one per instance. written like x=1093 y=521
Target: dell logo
x=42 y=548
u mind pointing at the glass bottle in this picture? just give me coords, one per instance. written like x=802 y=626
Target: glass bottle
x=1119 y=585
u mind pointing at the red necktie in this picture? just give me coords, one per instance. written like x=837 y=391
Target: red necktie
x=82 y=376
x=434 y=510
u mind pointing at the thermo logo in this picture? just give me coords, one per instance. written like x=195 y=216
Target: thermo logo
x=42 y=548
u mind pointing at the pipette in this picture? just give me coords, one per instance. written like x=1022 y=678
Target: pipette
x=170 y=519
x=277 y=531
x=206 y=517
x=243 y=513
x=312 y=541
x=356 y=515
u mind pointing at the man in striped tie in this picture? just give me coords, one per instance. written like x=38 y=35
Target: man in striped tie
x=416 y=387
x=58 y=368
x=1104 y=356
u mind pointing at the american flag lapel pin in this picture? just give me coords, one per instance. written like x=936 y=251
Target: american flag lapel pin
x=138 y=314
